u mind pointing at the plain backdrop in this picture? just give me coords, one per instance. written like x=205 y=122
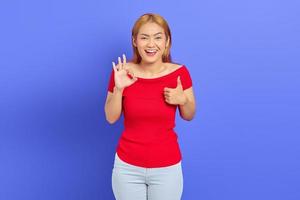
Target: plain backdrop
x=244 y=59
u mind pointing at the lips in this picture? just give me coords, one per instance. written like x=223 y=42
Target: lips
x=151 y=52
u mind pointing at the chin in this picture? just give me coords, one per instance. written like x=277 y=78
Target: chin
x=150 y=60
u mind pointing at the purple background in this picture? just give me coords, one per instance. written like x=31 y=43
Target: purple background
x=244 y=59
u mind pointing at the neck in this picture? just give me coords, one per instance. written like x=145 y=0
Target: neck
x=152 y=68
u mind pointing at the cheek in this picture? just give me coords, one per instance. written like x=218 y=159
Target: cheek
x=141 y=46
x=141 y=43
x=162 y=44
x=141 y=50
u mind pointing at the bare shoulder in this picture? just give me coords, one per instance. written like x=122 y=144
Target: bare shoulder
x=173 y=66
x=132 y=65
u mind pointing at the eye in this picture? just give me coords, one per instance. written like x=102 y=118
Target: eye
x=158 y=38
x=143 y=38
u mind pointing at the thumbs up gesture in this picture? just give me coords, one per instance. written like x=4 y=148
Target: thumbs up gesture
x=175 y=96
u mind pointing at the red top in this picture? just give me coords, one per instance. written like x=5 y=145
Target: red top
x=148 y=139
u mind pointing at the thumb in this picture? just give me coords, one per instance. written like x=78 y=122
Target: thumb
x=179 y=82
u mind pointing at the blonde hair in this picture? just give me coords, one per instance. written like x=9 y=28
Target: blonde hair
x=151 y=17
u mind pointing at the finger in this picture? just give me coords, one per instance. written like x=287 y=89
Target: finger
x=134 y=79
x=129 y=71
x=114 y=66
x=167 y=100
x=132 y=75
x=124 y=59
x=167 y=92
x=179 y=81
x=167 y=95
x=166 y=89
x=120 y=63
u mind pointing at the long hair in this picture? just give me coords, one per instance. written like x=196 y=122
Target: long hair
x=151 y=17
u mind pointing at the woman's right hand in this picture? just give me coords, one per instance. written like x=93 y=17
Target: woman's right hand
x=120 y=74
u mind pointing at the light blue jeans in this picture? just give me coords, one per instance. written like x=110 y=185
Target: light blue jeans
x=130 y=182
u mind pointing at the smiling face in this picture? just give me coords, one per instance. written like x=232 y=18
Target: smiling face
x=151 y=42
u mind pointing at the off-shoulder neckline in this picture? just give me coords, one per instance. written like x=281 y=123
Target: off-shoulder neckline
x=161 y=77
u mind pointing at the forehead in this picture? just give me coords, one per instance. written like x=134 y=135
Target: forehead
x=150 y=28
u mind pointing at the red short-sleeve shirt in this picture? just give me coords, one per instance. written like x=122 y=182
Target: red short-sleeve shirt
x=148 y=139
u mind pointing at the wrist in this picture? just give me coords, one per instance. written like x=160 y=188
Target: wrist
x=118 y=89
x=184 y=101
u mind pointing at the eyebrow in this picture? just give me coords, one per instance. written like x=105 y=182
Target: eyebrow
x=154 y=34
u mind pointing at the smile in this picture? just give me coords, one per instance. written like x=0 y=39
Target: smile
x=150 y=52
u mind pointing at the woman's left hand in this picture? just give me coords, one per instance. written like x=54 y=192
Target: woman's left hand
x=176 y=95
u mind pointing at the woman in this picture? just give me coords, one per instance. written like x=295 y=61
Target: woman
x=148 y=91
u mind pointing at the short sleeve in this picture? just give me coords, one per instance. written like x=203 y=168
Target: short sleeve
x=186 y=79
x=111 y=83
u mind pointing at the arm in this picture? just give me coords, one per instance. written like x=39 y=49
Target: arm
x=188 y=108
x=113 y=105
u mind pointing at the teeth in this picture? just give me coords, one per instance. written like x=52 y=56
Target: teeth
x=151 y=51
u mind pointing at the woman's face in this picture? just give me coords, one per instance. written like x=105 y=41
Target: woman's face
x=151 y=42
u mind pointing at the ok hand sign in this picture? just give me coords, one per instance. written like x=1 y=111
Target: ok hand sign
x=120 y=74
x=176 y=95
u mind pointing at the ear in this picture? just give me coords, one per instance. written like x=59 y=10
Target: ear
x=133 y=42
x=168 y=41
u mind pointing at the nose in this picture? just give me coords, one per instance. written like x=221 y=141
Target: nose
x=151 y=42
